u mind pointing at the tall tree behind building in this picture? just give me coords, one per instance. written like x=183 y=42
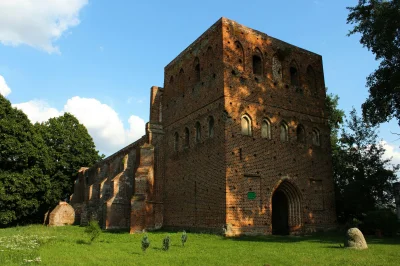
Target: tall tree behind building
x=70 y=147
x=24 y=161
x=378 y=22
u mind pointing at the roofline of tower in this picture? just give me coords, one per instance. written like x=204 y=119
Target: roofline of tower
x=226 y=20
x=193 y=43
x=266 y=35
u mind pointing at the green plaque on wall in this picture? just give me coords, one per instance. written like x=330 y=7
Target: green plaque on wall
x=251 y=195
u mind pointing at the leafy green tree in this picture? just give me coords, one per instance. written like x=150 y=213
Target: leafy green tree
x=70 y=147
x=23 y=161
x=378 y=22
x=335 y=117
x=363 y=178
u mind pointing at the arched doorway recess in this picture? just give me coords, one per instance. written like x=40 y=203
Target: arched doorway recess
x=286 y=208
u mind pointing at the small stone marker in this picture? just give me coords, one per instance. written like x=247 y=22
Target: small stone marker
x=355 y=239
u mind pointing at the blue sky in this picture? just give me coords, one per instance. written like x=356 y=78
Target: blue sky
x=98 y=58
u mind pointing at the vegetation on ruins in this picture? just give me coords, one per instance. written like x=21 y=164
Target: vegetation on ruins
x=184 y=238
x=166 y=243
x=38 y=163
x=145 y=242
x=67 y=246
x=93 y=230
x=378 y=22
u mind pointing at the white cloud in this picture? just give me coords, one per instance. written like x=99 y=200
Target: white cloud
x=38 y=110
x=37 y=23
x=4 y=89
x=391 y=152
x=102 y=122
x=136 y=128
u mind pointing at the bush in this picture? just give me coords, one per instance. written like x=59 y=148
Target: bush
x=93 y=230
x=145 y=243
x=184 y=238
x=384 y=220
x=166 y=243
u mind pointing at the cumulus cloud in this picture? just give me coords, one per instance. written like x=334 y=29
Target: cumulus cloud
x=38 y=110
x=391 y=152
x=37 y=23
x=103 y=123
x=4 y=89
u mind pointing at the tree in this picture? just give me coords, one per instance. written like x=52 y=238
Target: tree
x=335 y=117
x=23 y=161
x=363 y=178
x=70 y=147
x=378 y=22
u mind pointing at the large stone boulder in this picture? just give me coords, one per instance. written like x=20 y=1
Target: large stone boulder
x=63 y=214
x=355 y=239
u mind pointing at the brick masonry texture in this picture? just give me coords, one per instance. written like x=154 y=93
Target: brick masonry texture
x=241 y=120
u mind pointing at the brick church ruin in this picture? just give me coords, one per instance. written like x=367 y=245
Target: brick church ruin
x=237 y=140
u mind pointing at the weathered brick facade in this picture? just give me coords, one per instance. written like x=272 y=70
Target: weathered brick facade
x=237 y=139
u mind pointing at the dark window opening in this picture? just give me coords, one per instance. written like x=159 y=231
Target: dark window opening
x=301 y=135
x=294 y=79
x=197 y=74
x=211 y=127
x=196 y=70
x=187 y=138
x=257 y=65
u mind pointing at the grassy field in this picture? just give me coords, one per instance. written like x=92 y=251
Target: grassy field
x=30 y=245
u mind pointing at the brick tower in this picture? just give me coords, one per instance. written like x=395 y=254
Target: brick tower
x=238 y=140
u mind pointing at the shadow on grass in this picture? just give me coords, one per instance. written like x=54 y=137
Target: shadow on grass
x=116 y=231
x=320 y=238
x=83 y=242
x=338 y=246
x=383 y=241
x=336 y=239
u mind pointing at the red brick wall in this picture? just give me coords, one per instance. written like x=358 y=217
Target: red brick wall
x=194 y=192
x=264 y=162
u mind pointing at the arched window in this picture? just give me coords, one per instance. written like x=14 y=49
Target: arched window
x=196 y=69
x=294 y=74
x=210 y=59
x=176 y=141
x=257 y=67
x=246 y=125
x=240 y=55
x=198 y=132
x=182 y=80
x=316 y=137
x=311 y=81
x=187 y=134
x=284 y=131
x=266 y=129
x=211 y=127
x=301 y=134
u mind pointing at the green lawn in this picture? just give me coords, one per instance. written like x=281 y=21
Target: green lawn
x=69 y=246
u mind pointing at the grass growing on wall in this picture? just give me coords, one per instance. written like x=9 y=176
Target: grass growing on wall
x=31 y=245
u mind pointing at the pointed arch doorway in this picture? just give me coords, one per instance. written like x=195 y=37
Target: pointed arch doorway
x=286 y=208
